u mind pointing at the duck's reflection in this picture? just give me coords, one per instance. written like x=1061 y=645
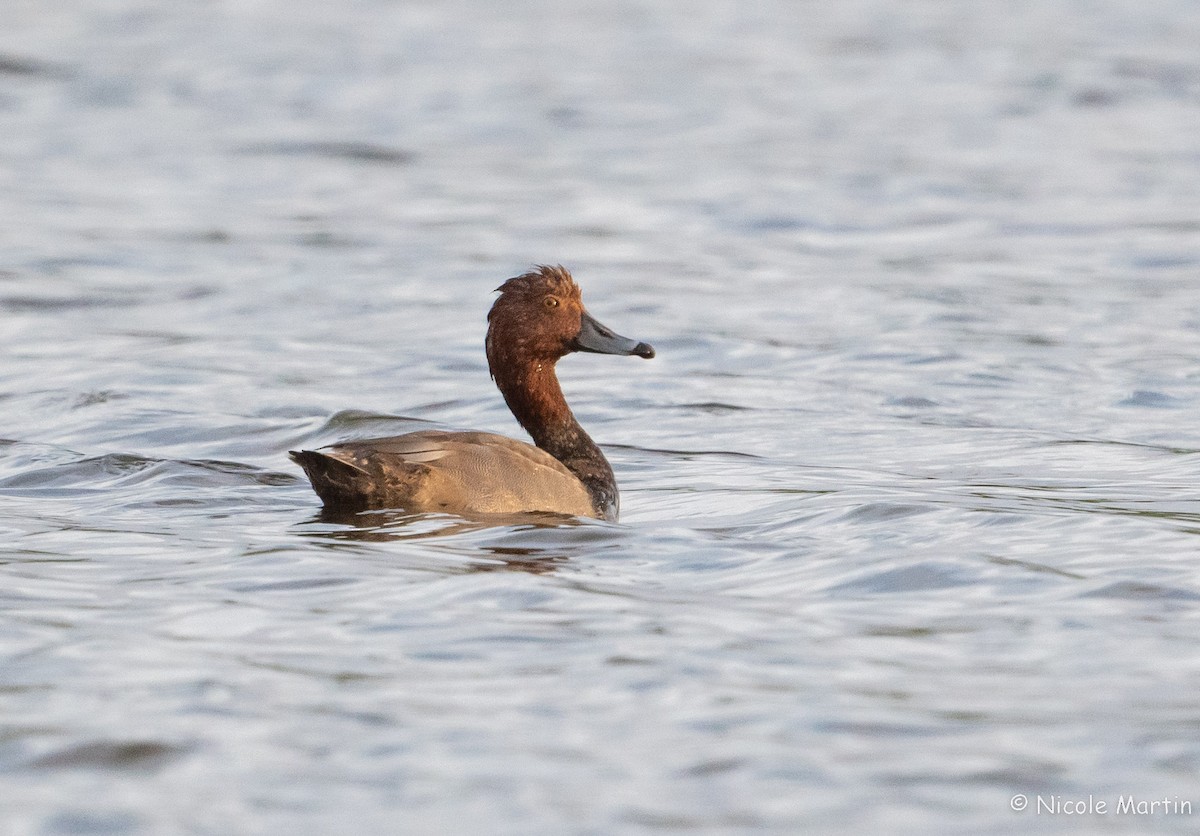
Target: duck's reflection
x=514 y=559
x=398 y=526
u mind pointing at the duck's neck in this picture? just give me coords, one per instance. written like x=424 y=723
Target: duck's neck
x=536 y=399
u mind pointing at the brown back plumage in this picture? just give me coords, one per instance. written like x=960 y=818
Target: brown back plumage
x=465 y=473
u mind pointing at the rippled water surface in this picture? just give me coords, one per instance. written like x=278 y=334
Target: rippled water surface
x=910 y=503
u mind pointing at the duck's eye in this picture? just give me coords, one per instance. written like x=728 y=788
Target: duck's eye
x=550 y=302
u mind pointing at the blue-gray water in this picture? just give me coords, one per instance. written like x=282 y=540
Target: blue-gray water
x=910 y=493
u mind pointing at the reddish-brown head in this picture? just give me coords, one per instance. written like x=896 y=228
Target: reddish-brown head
x=540 y=317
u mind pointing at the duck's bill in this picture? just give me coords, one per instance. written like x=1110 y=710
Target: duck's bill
x=595 y=338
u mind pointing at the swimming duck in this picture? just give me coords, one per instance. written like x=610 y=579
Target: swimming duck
x=538 y=319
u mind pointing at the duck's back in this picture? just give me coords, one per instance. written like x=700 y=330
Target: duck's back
x=455 y=472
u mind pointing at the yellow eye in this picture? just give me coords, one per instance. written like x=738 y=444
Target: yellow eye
x=551 y=302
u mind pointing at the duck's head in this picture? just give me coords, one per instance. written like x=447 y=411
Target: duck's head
x=540 y=317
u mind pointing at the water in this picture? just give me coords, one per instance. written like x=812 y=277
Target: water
x=909 y=493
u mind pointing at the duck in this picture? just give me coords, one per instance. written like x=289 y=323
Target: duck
x=538 y=319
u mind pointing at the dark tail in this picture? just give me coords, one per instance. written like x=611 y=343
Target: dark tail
x=338 y=483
